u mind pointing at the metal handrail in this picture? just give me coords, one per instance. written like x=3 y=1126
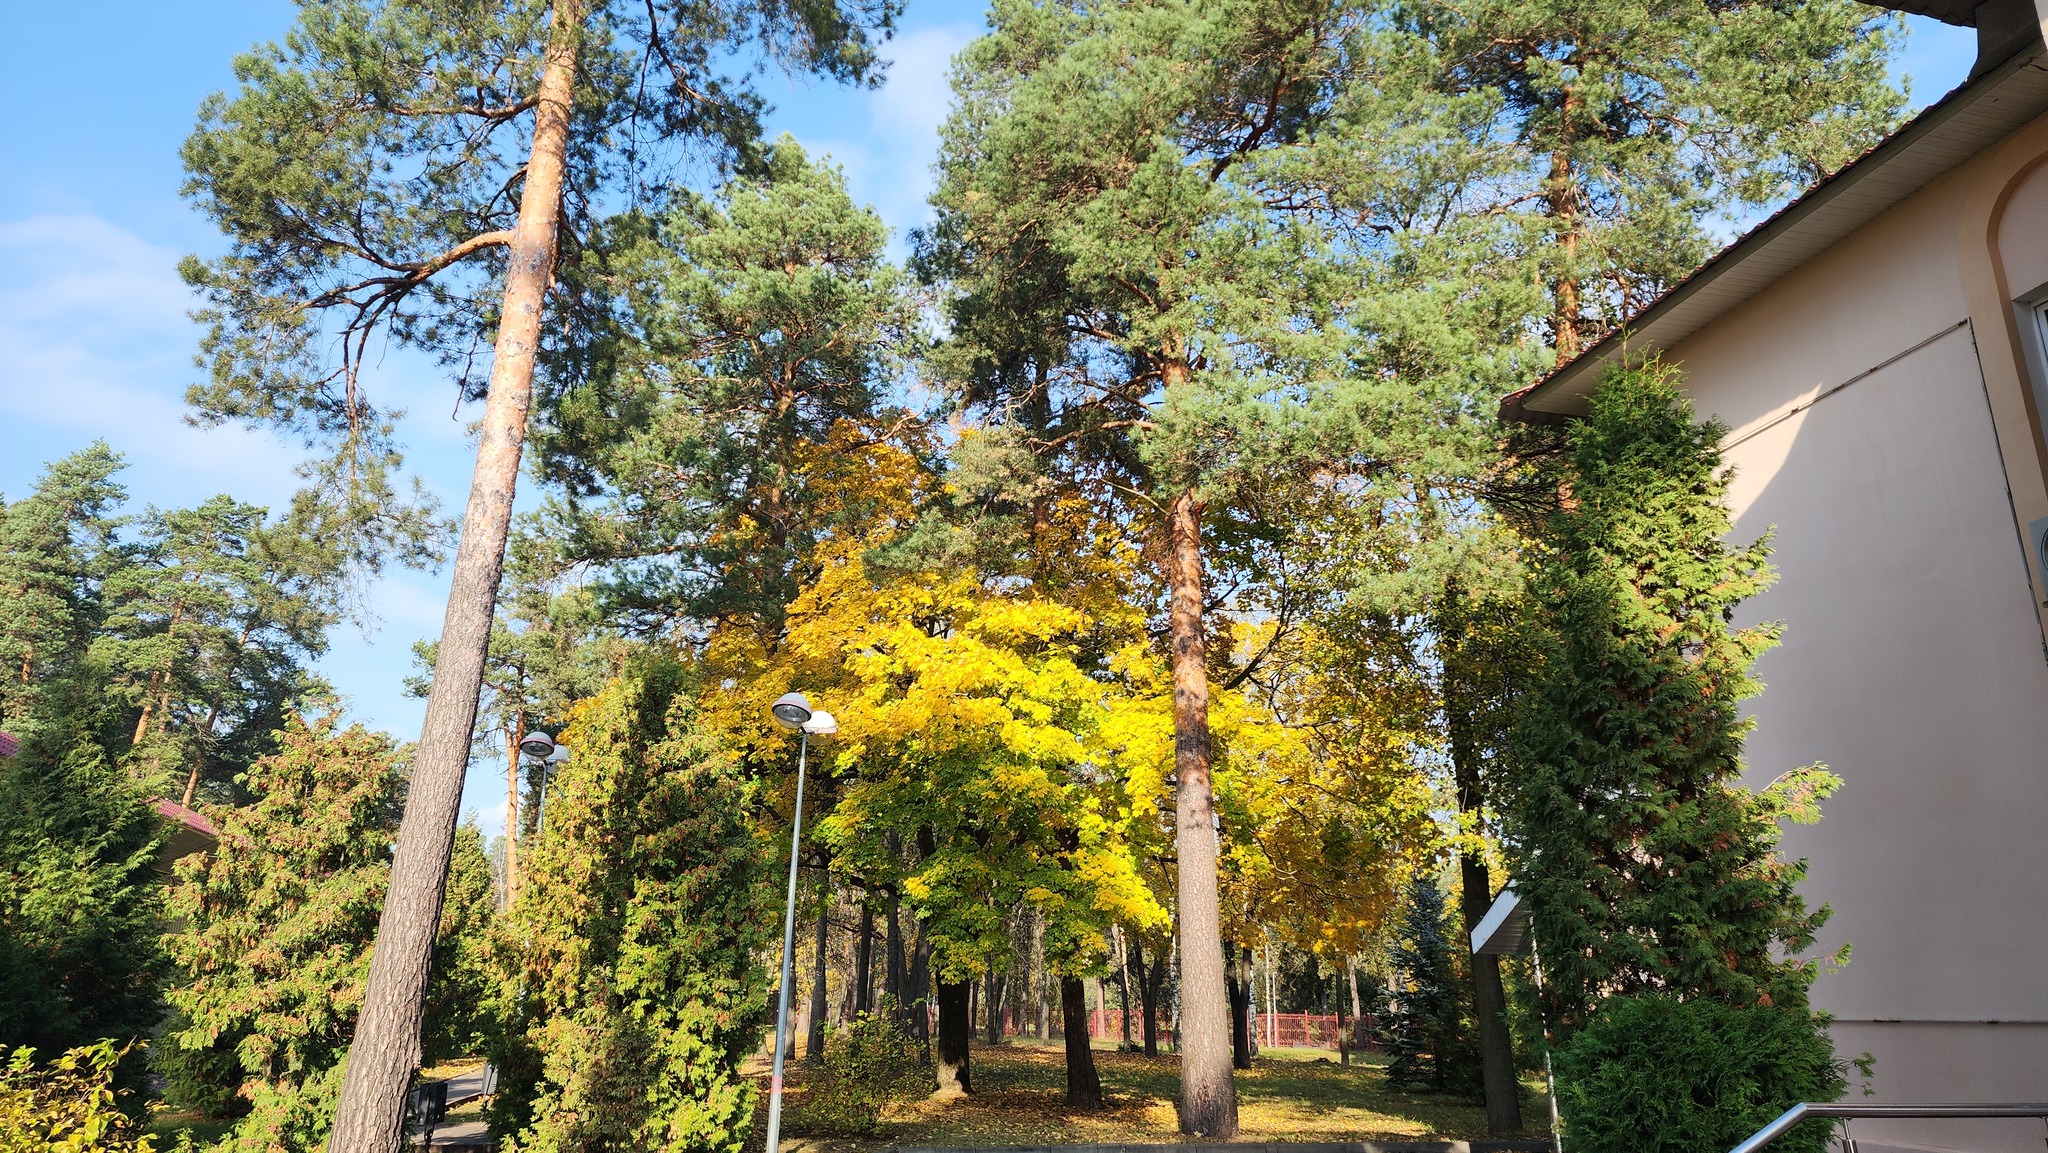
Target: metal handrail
x=1801 y=1112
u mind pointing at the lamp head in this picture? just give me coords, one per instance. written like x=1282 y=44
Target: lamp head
x=537 y=745
x=821 y=724
x=791 y=710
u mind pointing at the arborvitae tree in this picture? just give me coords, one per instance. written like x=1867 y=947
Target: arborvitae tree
x=79 y=900
x=1647 y=865
x=634 y=943
x=1432 y=1047
x=275 y=924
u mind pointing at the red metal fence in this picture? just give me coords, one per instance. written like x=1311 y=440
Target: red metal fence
x=1274 y=1030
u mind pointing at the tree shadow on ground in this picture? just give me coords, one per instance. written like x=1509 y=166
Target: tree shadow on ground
x=1289 y=1096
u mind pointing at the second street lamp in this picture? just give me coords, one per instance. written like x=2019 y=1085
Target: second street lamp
x=792 y=712
x=541 y=751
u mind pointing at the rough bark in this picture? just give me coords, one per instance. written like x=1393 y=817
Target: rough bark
x=1489 y=997
x=1148 y=993
x=1489 y=1005
x=920 y=984
x=1084 y=1086
x=950 y=1047
x=512 y=809
x=1561 y=199
x=814 y=1039
x=998 y=988
x=1240 y=993
x=1208 y=1100
x=864 y=962
x=369 y=1116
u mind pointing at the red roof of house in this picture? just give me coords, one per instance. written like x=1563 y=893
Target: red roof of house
x=190 y=818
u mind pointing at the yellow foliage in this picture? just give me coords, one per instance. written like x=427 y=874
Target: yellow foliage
x=1022 y=729
x=67 y=1106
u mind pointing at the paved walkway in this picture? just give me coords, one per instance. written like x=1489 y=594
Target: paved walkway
x=1479 y=1146
x=468 y=1133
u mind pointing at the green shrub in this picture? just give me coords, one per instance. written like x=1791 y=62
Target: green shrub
x=204 y=1082
x=1653 y=1074
x=868 y=1065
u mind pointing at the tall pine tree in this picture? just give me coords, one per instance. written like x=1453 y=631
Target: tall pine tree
x=417 y=170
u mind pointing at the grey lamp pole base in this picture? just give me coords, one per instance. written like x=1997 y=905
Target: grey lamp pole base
x=796 y=836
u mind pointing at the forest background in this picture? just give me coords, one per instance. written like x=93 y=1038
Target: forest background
x=940 y=649
x=94 y=338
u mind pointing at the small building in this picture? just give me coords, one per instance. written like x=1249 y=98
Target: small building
x=186 y=831
x=1876 y=350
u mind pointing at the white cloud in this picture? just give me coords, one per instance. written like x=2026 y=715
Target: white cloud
x=892 y=168
x=94 y=343
x=914 y=102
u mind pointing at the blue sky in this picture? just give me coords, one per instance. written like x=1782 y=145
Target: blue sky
x=95 y=98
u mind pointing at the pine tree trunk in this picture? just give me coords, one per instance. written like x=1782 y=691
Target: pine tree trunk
x=956 y=1028
x=1496 y=1048
x=1084 y=1085
x=199 y=757
x=1208 y=1100
x=512 y=809
x=1561 y=204
x=369 y=1116
x=148 y=703
x=814 y=1041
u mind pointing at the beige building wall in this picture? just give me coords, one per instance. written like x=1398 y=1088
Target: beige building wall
x=1880 y=418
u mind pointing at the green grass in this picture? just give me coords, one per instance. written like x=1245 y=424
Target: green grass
x=1290 y=1095
x=168 y=1127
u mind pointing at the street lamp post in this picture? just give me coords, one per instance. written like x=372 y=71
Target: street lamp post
x=540 y=749
x=792 y=712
